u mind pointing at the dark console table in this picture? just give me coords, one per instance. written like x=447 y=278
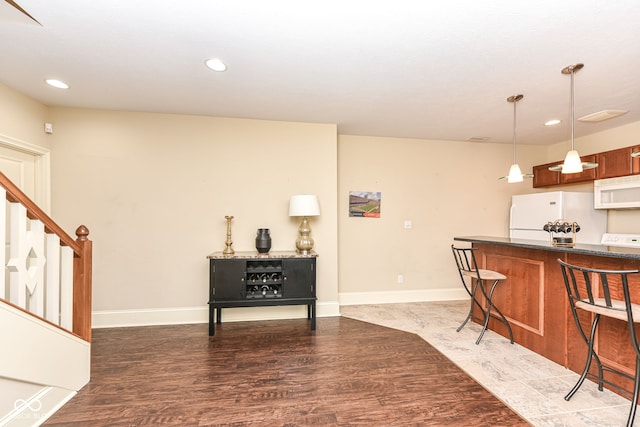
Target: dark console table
x=250 y=279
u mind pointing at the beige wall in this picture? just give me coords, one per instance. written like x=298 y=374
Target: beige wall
x=22 y=118
x=446 y=188
x=154 y=190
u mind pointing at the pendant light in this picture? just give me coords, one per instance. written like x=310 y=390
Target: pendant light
x=572 y=162
x=515 y=174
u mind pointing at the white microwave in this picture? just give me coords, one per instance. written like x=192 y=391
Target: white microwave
x=617 y=193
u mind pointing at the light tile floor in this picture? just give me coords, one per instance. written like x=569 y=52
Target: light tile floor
x=530 y=384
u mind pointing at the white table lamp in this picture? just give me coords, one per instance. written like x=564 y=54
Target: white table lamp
x=304 y=205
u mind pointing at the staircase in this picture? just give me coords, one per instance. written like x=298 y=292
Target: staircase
x=45 y=311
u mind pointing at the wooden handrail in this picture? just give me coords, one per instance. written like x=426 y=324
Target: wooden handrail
x=14 y=194
x=82 y=257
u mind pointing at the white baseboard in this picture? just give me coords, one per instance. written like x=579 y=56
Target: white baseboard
x=35 y=410
x=188 y=315
x=390 y=297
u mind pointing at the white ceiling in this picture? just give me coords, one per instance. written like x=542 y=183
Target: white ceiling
x=418 y=69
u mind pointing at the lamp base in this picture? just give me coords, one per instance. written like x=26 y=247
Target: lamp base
x=304 y=242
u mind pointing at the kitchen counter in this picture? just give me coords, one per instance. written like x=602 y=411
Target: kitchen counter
x=534 y=298
x=579 y=248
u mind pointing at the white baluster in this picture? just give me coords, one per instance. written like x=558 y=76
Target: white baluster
x=17 y=261
x=36 y=262
x=66 y=287
x=26 y=261
x=52 y=279
x=3 y=241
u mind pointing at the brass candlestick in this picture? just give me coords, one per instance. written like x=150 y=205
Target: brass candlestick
x=228 y=250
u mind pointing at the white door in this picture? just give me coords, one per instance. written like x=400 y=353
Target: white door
x=20 y=168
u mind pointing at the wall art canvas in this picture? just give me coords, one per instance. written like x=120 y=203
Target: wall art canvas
x=364 y=204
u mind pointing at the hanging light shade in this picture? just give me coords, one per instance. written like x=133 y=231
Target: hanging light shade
x=572 y=162
x=515 y=174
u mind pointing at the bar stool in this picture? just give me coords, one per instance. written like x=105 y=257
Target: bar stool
x=468 y=267
x=603 y=293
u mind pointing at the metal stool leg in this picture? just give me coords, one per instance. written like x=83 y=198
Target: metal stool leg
x=636 y=391
x=487 y=314
x=590 y=356
x=490 y=304
x=473 y=301
x=503 y=318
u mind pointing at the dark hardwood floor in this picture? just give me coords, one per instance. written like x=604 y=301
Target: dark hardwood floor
x=276 y=373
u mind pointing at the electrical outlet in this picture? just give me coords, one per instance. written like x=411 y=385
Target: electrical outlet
x=400 y=279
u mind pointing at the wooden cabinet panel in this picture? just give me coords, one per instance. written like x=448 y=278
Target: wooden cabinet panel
x=584 y=176
x=300 y=277
x=543 y=177
x=614 y=163
x=635 y=161
x=532 y=297
x=227 y=279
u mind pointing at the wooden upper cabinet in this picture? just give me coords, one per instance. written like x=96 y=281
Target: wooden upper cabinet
x=611 y=164
x=614 y=163
x=584 y=176
x=635 y=161
x=543 y=177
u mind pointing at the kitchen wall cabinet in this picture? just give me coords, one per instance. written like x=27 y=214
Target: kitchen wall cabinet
x=584 y=176
x=611 y=164
x=614 y=163
x=543 y=177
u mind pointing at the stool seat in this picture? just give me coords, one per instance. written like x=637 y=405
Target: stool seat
x=618 y=309
x=485 y=274
x=468 y=268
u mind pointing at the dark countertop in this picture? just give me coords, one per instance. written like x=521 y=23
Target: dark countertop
x=597 y=250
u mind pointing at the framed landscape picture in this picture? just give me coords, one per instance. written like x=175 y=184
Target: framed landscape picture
x=364 y=204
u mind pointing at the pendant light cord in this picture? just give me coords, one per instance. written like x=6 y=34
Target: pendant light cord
x=572 y=97
x=514 y=130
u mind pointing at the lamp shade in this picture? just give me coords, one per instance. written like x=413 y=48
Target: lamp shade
x=304 y=205
x=515 y=174
x=572 y=162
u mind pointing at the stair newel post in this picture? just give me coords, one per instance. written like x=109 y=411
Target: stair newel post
x=82 y=285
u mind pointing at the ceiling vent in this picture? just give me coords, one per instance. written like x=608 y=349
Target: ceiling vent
x=478 y=139
x=602 y=116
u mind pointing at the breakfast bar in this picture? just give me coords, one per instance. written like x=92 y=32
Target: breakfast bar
x=535 y=302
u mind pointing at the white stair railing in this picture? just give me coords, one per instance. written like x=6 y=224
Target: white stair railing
x=47 y=273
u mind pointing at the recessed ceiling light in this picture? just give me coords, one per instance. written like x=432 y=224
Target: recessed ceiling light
x=552 y=122
x=57 y=83
x=215 y=64
x=602 y=115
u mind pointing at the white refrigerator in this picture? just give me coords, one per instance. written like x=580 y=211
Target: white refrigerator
x=530 y=212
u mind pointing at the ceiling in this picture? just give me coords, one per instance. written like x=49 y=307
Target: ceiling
x=417 y=69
